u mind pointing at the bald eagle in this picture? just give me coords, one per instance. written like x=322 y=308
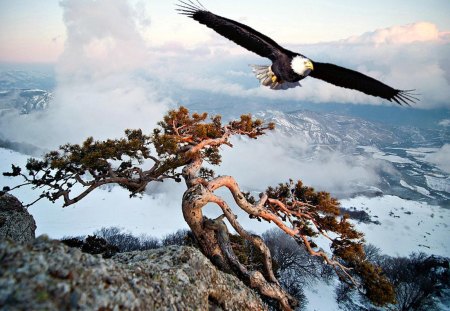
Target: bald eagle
x=288 y=67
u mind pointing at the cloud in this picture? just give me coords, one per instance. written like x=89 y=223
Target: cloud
x=404 y=34
x=99 y=89
x=276 y=158
x=102 y=39
x=441 y=158
x=444 y=122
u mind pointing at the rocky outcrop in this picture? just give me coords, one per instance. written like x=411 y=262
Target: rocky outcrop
x=48 y=275
x=16 y=223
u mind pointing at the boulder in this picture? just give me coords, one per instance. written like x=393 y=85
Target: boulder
x=16 y=223
x=48 y=275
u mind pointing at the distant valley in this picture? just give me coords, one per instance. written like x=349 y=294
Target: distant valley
x=408 y=150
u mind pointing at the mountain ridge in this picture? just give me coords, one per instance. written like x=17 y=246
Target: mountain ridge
x=333 y=129
x=24 y=101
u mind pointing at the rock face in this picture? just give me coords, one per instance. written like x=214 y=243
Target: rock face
x=48 y=275
x=15 y=221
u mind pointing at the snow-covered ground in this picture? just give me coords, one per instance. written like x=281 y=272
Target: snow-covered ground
x=321 y=296
x=406 y=226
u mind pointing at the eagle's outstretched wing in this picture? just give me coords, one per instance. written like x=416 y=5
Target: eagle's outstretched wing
x=351 y=79
x=239 y=33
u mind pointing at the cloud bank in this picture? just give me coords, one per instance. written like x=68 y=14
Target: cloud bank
x=404 y=34
x=276 y=158
x=99 y=90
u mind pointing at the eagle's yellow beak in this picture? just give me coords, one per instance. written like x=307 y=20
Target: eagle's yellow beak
x=309 y=65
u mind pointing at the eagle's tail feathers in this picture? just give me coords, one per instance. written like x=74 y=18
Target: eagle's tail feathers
x=265 y=76
x=263 y=73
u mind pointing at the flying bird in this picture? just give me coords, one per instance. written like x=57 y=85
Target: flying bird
x=288 y=67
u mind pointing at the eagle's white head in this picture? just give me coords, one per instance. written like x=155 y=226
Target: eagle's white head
x=301 y=65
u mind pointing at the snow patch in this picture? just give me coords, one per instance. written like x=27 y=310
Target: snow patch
x=418 y=189
x=378 y=154
x=406 y=226
x=391 y=158
x=438 y=184
x=406 y=185
x=321 y=296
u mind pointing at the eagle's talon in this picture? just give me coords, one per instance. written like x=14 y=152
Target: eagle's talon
x=274 y=79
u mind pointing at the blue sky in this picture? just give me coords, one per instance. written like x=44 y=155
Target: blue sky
x=34 y=31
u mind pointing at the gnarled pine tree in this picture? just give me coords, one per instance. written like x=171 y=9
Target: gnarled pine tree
x=178 y=148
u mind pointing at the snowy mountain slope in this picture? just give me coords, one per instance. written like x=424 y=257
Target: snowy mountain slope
x=416 y=178
x=330 y=129
x=342 y=131
x=404 y=227
x=24 y=100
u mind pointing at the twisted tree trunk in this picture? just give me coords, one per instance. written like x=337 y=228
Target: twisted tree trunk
x=213 y=237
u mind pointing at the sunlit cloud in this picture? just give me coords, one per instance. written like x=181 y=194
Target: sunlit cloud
x=418 y=32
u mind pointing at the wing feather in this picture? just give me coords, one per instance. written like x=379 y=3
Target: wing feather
x=355 y=80
x=239 y=33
